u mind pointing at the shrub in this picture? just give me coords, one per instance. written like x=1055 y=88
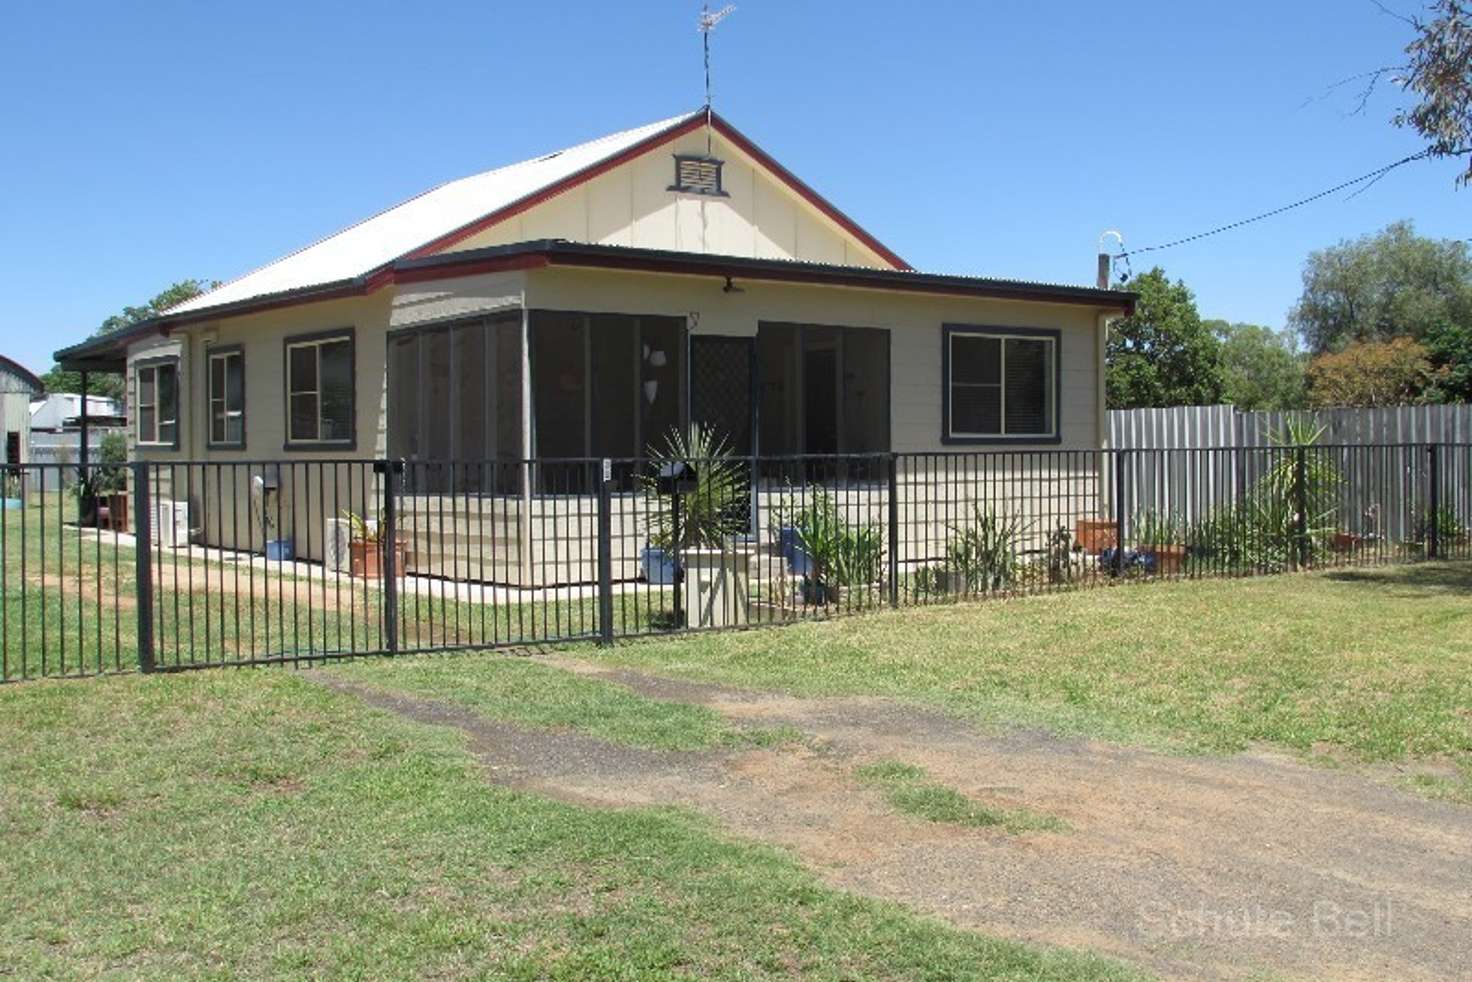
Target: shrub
x=841 y=555
x=984 y=553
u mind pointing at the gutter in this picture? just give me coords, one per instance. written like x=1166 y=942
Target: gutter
x=106 y=352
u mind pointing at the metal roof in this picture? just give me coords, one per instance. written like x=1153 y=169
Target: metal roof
x=15 y=377
x=405 y=227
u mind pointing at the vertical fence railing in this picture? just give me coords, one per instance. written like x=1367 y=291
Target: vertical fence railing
x=168 y=565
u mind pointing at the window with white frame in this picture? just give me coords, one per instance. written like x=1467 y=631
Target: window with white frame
x=1001 y=384
x=319 y=390
x=227 y=398
x=157 y=409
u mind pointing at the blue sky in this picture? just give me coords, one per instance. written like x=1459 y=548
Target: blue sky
x=148 y=144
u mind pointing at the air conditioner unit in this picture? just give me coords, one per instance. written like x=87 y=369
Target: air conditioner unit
x=171 y=523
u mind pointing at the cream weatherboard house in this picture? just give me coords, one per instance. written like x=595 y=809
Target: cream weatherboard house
x=582 y=305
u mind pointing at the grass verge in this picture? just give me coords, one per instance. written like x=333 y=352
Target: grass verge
x=1361 y=665
x=530 y=694
x=255 y=824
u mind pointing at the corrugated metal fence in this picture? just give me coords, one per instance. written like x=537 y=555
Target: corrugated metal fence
x=1184 y=492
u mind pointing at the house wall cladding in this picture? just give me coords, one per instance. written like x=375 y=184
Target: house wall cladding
x=1386 y=446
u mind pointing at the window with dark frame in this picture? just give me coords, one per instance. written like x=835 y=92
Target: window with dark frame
x=1001 y=384
x=698 y=175
x=319 y=390
x=158 y=403
x=227 y=397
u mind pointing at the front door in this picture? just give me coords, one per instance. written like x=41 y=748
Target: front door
x=721 y=375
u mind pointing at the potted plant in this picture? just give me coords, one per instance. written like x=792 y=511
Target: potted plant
x=708 y=515
x=981 y=557
x=838 y=557
x=110 y=482
x=366 y=547
x=1094 y=535
x=788 y=536
x=1159 y=537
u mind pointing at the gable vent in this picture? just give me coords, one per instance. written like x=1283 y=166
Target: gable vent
x=698 y=175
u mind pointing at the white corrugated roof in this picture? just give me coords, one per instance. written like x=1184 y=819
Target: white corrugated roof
x=403 y=228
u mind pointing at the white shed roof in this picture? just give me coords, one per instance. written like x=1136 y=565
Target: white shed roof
x=364 y=247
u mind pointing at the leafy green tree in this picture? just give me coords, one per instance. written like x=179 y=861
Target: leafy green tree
x=1261 y=368
x=1450 y=349
x=1381 y=286
x=107 y=384
x=1439 y=74
x=1163 y=355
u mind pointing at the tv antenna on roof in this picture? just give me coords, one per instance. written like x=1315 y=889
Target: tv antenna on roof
x=707 y=24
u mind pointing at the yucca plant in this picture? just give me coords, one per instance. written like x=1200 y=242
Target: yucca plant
x=1296 y=502
x=839 y=554
x=716 y=508
x=984 y=552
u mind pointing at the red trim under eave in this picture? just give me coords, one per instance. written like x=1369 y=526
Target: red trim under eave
x=638 y=150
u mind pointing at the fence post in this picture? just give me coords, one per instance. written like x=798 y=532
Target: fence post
x=894 y=530
x=605 y=554
x=1300 y=507
x=389 y=536
x=143 y=563
x=1433 y=507
x=1119 y=509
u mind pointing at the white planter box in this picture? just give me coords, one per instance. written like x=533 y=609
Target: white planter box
x=716 y=586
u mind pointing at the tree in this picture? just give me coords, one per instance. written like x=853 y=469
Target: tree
x=1162 y=355
x=106 y=383
x=1261 y=368
x=1381 y=286
x=1450 y=348
x=1370 y=373
x=1439 y=73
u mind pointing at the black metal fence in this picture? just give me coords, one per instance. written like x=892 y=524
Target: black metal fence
x=158 y=566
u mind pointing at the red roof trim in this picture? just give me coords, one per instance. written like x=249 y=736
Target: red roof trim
x=552 y=190
x=693 y=123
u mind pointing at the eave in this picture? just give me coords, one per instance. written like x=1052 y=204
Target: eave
x=109 y=352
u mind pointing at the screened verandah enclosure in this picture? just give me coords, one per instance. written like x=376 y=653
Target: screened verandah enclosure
x=471 y=404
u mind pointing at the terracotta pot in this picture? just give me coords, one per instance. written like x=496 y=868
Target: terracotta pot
x=366 y=559
x=1094 y=535
x=1347 y=541
x=1168 y=559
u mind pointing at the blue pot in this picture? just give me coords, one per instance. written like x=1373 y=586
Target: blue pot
x=659 y=566
x=789 y=544
x=14 y=504
x=279 y=550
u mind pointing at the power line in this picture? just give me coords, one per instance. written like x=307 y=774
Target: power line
x=1374 y=175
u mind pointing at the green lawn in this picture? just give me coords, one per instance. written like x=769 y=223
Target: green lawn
x=255 y=824
x=68 y=606
x=1369 y=665
x=536 y=695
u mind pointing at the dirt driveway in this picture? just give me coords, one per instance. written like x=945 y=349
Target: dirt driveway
x=1186 y=866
